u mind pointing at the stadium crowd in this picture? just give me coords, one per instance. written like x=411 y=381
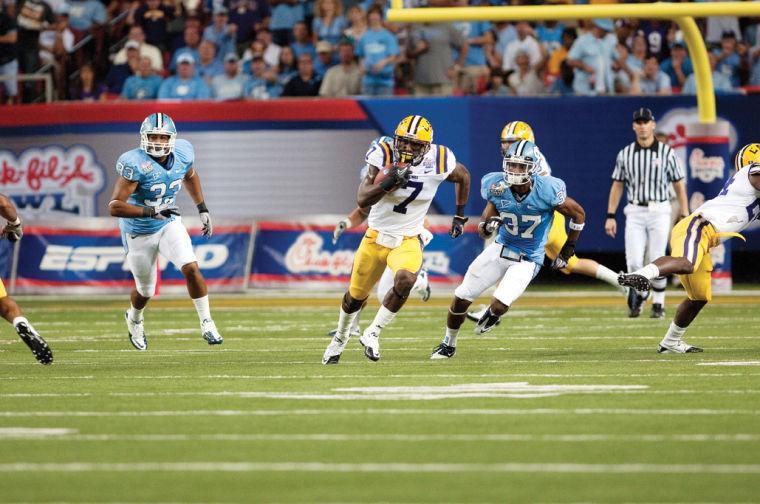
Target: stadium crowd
x=260 y=49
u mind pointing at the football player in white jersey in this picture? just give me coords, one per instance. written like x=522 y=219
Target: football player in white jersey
x=727 y=214
x=410 y=168
x=144 y=199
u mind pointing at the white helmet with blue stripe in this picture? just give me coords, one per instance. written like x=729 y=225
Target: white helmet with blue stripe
x=521 y=162
x=158 y=124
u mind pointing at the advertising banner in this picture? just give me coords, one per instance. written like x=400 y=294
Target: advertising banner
x=80 y=259
x=302 y=253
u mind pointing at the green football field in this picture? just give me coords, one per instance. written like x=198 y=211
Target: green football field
x=565 y=401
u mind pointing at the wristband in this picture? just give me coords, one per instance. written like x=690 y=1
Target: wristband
x=17 y=222
x=575 y=226
x=610 y=215
x=149 y=211
x=202 y=207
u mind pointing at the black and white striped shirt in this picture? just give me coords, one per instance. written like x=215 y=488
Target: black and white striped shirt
x=647 y=171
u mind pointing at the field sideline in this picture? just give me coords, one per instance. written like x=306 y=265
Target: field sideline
x=565 y=401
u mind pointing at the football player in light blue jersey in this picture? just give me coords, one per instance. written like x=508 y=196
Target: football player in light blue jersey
x=520 y=207
x=144 y=199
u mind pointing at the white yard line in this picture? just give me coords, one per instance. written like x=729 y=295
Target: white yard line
x=387 y=411
x=729 y=363
x=216 y=467
x=72 y=436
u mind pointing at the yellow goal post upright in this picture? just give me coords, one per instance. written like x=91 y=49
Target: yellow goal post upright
x=681 y=13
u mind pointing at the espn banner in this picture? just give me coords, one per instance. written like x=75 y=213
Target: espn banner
x=301 y=252
x=87 y=256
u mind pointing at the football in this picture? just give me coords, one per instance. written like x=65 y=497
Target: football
x=385 y=172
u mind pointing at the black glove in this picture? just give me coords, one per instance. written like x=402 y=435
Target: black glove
x=163 y=211
x=396 y=178
x=568 y=250
x=457 y=226
x=13 y=231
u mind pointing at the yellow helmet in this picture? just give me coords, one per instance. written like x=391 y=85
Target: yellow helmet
x=412 y=139
x=514 y=131
x=748 y=154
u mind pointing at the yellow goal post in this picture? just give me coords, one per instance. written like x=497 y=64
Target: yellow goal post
x=681 y=13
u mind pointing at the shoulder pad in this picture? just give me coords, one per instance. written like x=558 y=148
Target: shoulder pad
x=184 y=151
x=380 y=154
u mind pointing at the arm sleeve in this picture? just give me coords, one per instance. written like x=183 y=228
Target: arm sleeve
x=558 y=192
x=618 y=173
x=445 y=161
x=485 y=187
x=185 y=152
x=127 y=168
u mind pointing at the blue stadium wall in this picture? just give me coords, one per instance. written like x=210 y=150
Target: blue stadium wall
x=301 y=157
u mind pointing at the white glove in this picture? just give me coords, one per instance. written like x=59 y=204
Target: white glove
x=206 y=227
x=13 y=231
x=340 y=229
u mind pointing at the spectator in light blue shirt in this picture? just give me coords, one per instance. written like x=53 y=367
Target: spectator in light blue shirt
x=143 y=85
x=591 y=56
x=652 y=81
x=721 y=83
x=379 y=51
x=301 y=42
x=728 y=59
x=478 y=34
x=328 y=23
x=325 y=58
x=221 y=33
x=208 y=66
x=678 y=67
x=285 y=14
x=259 y=85
x=549 y=33
x=185 y=85
x=84 y=14
x=231 y=84
x=192 y=40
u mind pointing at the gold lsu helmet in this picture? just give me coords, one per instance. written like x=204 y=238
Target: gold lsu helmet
x=412 y=139
x=748 y=154
x=514 y=131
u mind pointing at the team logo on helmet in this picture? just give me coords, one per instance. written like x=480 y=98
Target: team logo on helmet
x=412 y=139
x=521 y=163
x=748 y=154
x=162 y=125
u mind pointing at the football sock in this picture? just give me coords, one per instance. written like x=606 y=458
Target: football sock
x=674 y=334
x=201 y=306
x=134 y=314
x=19 y=320
x=383 y=318
x=605 y=274
x=650 y=271
x=451 y=337
x=355 y=320
x=345 y=321
x=658 y=290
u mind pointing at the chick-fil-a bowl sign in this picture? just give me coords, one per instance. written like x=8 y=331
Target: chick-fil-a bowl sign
x=52 y=180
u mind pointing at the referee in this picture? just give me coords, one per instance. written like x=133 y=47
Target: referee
x=646 y=167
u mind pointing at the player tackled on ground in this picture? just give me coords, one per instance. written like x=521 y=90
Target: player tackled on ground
x=145 y=200
x=521 y=206
x=519 y=130
x=8 y=307
x=727 y=214
x=402 y=180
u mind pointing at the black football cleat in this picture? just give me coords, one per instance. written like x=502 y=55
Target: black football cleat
x=658 y=311
x=636 y=281
x=443 y=351
x=36 y=344
x=635 y=303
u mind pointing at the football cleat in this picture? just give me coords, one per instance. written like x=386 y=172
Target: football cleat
x=477 y=315
x=443 y=351
x=136 y=332
x=486 y=322
x=638 y=282
x=635 y=303
x=209 y=332
x=424 y=285
x=658 y=311
x=34 y=341
x=370 y=340
x=680 y=347
x=334 y=350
